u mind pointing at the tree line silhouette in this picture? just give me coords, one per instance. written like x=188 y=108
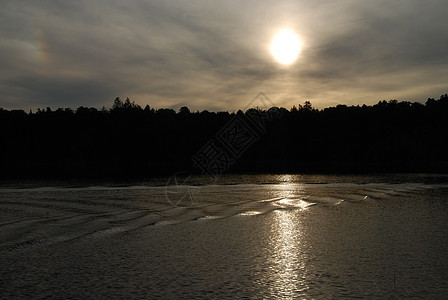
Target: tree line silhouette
x=130 y=141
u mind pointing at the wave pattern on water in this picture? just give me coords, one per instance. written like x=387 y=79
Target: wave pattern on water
x=50 y=215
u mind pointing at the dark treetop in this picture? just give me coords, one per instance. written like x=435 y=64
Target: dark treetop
x=128 y=141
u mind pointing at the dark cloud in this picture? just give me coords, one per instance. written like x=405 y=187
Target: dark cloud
x=214 y=55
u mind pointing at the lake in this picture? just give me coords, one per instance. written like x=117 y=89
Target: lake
x=238 y=236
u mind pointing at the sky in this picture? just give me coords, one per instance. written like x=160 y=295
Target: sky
x=214 y=55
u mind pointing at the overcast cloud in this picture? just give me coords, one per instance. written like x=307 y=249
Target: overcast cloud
x=214 y=54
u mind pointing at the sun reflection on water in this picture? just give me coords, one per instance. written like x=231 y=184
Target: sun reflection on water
x=287 y=266
x=291 y=192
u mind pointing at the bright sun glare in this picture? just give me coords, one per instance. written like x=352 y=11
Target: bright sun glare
x=286 y=46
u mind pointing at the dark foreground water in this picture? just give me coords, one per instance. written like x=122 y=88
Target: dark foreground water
x=271 y=236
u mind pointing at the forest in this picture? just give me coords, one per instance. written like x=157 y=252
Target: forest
x=128 y=141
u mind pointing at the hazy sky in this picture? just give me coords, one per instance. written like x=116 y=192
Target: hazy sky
x=215 y=54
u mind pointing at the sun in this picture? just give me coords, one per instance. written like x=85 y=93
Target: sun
x=286 y=46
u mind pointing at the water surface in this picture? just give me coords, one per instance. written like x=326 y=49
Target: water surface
x=254 y=236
